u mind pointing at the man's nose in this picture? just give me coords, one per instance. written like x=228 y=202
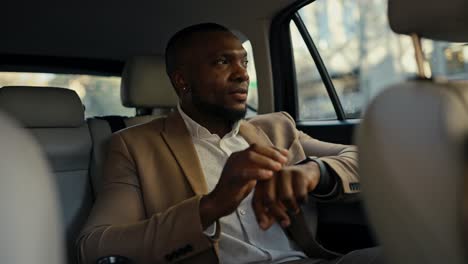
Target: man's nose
x=240 y=73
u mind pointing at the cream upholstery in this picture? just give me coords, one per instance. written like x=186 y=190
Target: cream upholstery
x=38 y=107
x=30 y=222
x=145 y=84
x=55 y=117
x=441 y=20
x=412 y=170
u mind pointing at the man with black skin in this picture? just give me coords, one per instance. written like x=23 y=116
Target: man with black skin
x=212 y=86
x=234 y=191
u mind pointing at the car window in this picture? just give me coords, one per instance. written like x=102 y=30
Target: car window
x=447 y=60
x=362 y=56
x=252 y=97
x=313 y=100
x=100 y=95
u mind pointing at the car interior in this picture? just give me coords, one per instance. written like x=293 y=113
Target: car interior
x=72 y=74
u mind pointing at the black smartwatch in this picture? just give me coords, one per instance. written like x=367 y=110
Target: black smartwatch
x=326 y=184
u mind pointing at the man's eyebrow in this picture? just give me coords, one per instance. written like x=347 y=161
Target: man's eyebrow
x=229 y=53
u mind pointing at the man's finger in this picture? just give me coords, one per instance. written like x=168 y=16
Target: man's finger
x=268 y=192
x=271 y=152
x=285 y=152
x=285 y=190
x=279 y=213
x=270 y=201
x=250 y=174
x=261 y=212
x=300 y=189
x=255 y=159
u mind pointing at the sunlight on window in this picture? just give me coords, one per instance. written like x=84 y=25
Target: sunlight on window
x=100 y=95
x=252 y=98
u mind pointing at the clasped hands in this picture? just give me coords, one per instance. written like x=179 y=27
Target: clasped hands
x=279 y=189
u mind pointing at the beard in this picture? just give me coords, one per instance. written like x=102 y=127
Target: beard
x=215 y=110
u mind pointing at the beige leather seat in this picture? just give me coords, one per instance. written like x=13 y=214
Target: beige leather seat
x=55 y=117
x=411 y=142
x=30 y=221
x=145 y=87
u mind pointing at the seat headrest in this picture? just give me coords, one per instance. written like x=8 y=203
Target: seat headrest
x=412 y=170
x=41 y=107
x=26 y=182
x=145 y=84
x=439 y=20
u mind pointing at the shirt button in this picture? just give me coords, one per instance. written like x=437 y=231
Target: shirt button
x=242 y=211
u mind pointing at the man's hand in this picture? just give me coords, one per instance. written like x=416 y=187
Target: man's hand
x=282 y=195
x=240 y=174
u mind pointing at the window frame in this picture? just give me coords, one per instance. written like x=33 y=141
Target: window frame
x=283 y=67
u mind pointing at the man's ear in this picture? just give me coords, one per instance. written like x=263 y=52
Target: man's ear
x=180 y=82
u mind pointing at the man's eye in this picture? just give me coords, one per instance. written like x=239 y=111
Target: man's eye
x=245 y=62
x=221 y=61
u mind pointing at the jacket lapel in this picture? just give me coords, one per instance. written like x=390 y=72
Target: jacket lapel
x=180 y=142
x=252 y=134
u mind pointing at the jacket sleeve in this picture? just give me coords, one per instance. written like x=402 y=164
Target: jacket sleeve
x=118 y=224
x=340 y=159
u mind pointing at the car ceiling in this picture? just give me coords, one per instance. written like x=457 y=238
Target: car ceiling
x=119 y=29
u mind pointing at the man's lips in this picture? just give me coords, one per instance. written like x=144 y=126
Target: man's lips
x=239 y=94
x=238 y=90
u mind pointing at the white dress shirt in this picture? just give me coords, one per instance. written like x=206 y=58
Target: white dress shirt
x=241 y=239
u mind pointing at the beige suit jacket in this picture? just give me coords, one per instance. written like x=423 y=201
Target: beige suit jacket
x=148 y=209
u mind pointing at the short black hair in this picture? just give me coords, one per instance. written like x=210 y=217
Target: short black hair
x=181 y=40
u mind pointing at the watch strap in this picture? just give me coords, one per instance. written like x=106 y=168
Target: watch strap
x=326 y=185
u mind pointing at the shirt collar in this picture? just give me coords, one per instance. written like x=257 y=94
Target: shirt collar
x=198 y=131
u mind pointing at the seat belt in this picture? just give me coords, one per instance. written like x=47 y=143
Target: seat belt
x=116 y=123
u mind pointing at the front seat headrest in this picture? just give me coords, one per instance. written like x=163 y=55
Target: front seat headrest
x=30 y=222
x=145 y=84
x=438 y=20
x=41 y=107
x=412 y=170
